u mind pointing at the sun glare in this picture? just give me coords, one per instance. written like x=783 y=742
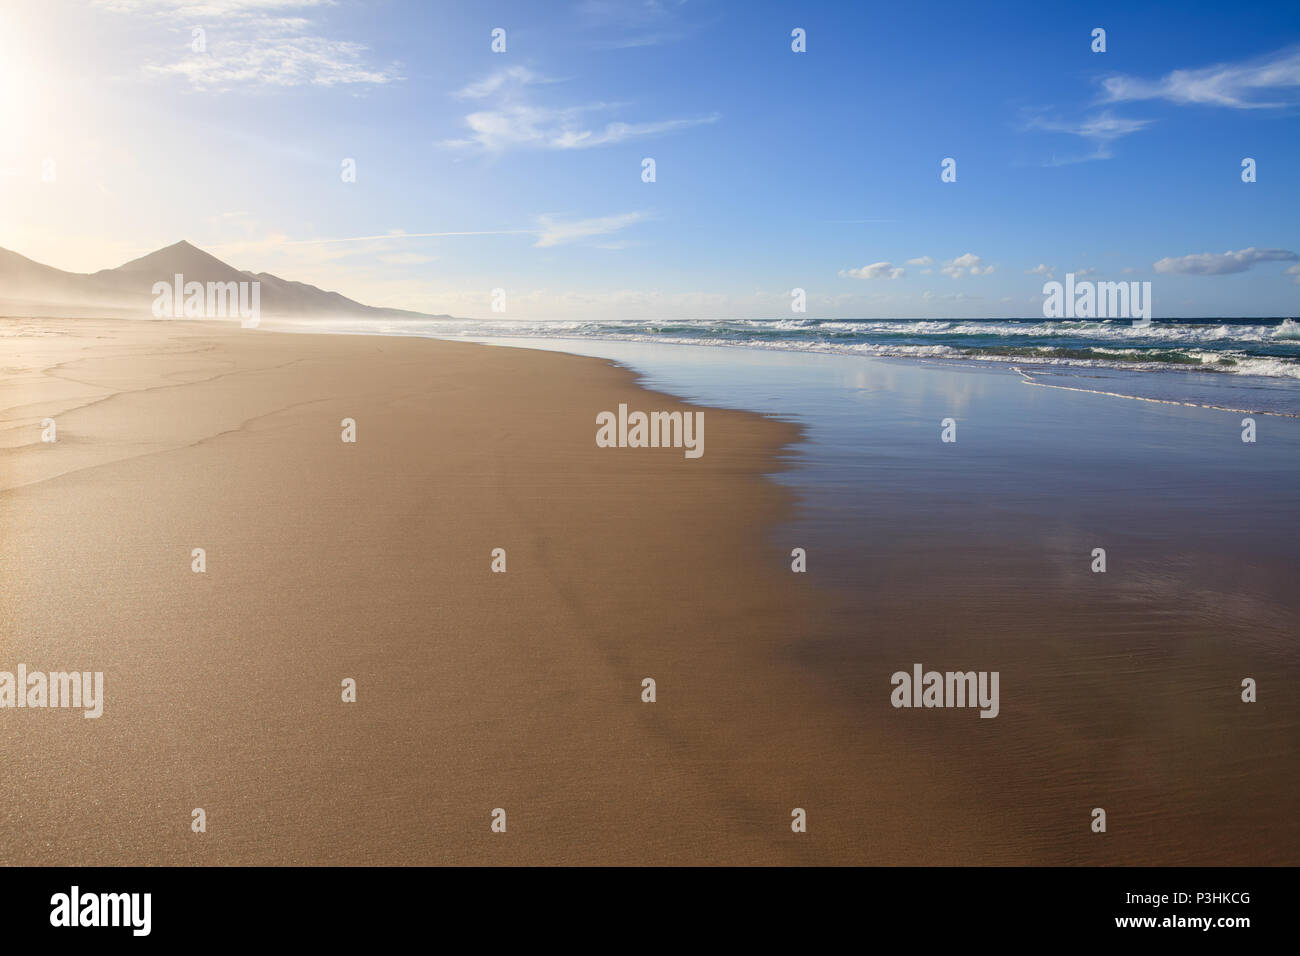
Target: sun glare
x=17 y=89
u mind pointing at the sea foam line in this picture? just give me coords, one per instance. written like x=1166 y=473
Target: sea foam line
x=1024 y=377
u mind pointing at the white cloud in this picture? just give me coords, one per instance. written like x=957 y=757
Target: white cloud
x=877 y=270
x=257 y=47
x=511 y=78
x=1100 y=130
x=1233 y=85
x=514 y=120
x=1293 y=272
x=526 y=126
x=921 y=261
x=210 y=9
x=1224 y=84
x=553 y=233
x=1042 y=270
x=286 y=60
x=963 y=265
x=1212 y=264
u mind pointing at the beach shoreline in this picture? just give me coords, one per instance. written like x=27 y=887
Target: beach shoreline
x=478 y=690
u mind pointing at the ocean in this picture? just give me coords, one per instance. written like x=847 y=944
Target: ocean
x=1238 y=365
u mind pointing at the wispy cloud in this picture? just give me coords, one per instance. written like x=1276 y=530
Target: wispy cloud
x=1227 y=263
x=211 y=9
x=512 y=78
x=260 y=46
x=1233 y=85
x=551 y=232
x=1042 y=270
x=206 y=8
x=628 y=24
x=515 y=120
x=1100 y=130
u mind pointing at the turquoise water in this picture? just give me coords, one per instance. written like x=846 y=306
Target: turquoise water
x=1261 y=347
x=1247 y=365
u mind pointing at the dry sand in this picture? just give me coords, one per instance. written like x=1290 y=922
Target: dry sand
x=476 y=690
x=328 y=560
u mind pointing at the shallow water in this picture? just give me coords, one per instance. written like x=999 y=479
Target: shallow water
x=1188 y=357
x=1119 y=688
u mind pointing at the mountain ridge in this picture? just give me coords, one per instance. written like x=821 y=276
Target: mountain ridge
x=28 y=286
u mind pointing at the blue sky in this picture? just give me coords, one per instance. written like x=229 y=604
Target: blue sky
x=774 y=169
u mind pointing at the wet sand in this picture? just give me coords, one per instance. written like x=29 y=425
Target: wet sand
x=476 y=690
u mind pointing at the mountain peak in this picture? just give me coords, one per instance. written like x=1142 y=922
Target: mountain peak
x=128 y=289
x=183 y=257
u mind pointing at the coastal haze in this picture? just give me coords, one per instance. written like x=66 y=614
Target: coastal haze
x=127 y=291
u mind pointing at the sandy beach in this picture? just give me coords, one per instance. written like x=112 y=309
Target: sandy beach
x=522 y=690
x=328 y=560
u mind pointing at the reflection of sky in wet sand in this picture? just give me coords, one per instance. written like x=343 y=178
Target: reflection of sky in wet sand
x=1051 y=464
x=1119 y=687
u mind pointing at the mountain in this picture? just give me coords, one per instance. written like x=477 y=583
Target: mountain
x=29 y=288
